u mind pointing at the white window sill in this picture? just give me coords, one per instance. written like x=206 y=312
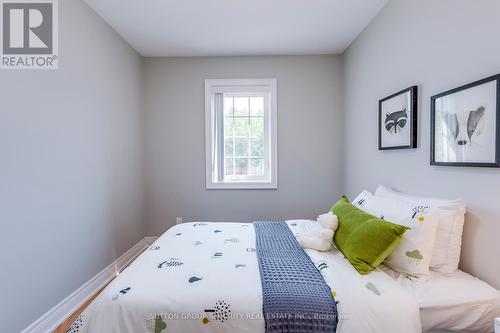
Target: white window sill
x=242 y=186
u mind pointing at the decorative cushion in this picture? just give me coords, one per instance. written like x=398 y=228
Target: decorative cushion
x=364 y=239
x=446 y=254
x=413 y=255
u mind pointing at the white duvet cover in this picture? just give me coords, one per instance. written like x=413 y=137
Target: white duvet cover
x=204 y=277
x=456 y=302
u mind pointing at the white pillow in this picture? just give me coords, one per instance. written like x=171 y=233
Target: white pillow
x=413 y=255
x=448 y=245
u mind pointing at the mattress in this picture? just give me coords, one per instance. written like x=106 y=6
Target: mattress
x=204 y=277
x=456 y=302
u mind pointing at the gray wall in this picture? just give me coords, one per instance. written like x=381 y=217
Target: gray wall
x=310 y=145
x=72 y=143
x=71 y=167
x=437 y=45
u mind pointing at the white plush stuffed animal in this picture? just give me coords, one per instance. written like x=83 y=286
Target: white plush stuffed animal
x=320 y=235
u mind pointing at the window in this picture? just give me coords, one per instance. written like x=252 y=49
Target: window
x=240 y=126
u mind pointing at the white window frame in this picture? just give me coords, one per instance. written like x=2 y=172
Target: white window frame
x=246 y=86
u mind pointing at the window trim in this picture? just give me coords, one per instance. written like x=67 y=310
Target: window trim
x=225 y=85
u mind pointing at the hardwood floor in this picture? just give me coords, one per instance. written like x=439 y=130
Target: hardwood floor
x=67 y=323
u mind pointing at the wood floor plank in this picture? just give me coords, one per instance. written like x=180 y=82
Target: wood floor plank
x=67 y=323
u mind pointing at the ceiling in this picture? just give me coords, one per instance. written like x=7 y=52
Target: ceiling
x=167 y=28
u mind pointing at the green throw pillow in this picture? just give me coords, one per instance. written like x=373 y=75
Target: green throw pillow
x=364 y=239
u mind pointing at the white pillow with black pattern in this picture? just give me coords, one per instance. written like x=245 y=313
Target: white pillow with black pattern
x=413 y=255
x=447 y=250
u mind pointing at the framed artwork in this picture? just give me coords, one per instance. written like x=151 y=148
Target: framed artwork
x=465 y=125
x=397 y=120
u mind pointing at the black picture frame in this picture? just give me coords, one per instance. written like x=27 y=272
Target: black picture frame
x=413 y=117
x=496 y=163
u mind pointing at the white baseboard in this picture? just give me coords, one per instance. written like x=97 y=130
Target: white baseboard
x=59 y=313
x=150 y=240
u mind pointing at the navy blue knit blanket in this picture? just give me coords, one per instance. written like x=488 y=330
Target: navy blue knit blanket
x=296 y=298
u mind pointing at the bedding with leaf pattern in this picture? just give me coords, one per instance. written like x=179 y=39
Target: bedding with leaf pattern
x=204 y=277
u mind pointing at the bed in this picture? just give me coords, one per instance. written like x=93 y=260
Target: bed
x=456 y=302
x=205 y=277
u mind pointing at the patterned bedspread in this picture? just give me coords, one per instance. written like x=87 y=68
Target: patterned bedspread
x=204 y=277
